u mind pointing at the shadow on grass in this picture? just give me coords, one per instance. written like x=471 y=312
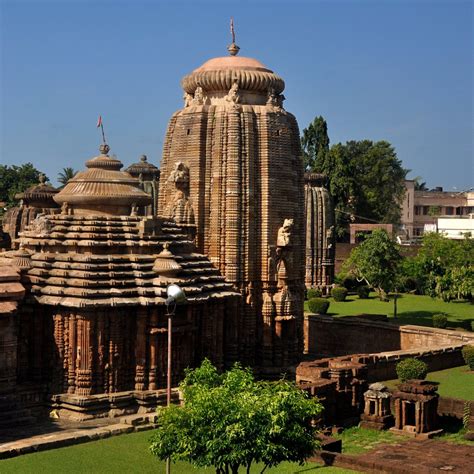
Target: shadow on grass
x=425 y=318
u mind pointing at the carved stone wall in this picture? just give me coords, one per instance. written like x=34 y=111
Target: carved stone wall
x=242 y=151
x=320 y=232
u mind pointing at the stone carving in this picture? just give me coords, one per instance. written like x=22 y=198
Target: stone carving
x=275 y=100
x=285 y=233
x=134 y=210
x=188 y=99
x=377 y=408
x=233 y=96
x=41 y=225
x=180 y=208
x=198 y=98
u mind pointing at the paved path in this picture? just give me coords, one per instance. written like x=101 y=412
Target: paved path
x=413 y=457
x=55 y=434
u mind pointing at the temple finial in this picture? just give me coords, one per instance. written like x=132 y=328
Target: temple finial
x=232 y=48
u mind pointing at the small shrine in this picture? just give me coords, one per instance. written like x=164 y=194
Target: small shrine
x=377 y=415
x=416 y=403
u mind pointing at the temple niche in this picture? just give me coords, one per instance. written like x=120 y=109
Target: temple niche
x=36 y=200
x=149 y=176
x=237 y=151
x=320 y=233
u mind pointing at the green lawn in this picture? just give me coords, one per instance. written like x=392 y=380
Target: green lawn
x=122 y=454
x=412 y=309
x=457 y=382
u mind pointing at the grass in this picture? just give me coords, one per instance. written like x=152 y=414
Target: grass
x=121 y=454
x=457 y=382
x=357 y=440
x=412 y=309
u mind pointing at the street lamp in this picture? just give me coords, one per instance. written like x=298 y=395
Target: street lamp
x=175 y=295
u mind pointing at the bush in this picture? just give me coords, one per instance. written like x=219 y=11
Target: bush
x=440 y=320
x=313 y=293
x=350 y=282
x=410 y=368
x=318 y=305
x=339 y=293
x=363 y=292
x=472 y=326
x=468 y=354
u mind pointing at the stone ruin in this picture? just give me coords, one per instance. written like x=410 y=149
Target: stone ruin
x=377 y=414
x=416 y=407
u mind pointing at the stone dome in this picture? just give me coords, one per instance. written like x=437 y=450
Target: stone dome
x=219 y=74
x=40 y=195
x=102 y=189
x=145 y=168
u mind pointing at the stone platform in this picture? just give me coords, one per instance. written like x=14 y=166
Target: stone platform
x=408 y=457
x=57 y=434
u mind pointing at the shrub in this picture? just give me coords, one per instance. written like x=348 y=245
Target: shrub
x=472 y=326
x=363 y=292
x=350 y=282
x=440 y=320
x=313 y=293
x=410 y=368
x=339 y=293
x=468 y=354
x=318 y=305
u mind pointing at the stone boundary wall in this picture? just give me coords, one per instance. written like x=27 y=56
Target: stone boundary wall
x=454 y=407
x=326 y=336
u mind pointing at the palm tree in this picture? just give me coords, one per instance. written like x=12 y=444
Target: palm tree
x=65 y=175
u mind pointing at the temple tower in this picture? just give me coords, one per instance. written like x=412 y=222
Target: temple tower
x=232 y=168
x=320 y=235
x=148 y=175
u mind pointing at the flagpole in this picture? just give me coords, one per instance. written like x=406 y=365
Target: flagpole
x=103 y=134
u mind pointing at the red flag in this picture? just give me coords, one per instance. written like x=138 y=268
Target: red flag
x=99 y=122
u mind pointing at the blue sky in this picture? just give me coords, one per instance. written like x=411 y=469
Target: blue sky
x=394 y=70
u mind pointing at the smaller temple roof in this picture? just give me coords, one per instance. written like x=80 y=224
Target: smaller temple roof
x=39 y=195
x=11 y=290
x=144 y=168
x=102 y=187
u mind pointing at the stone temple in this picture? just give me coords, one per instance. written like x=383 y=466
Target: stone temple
x=232 y=170
x=82 y=301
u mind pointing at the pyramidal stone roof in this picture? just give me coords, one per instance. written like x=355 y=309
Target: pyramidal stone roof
x=39 y=195
x=145 y=168
x=115 y=261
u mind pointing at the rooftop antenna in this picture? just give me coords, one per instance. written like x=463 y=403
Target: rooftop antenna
x=233 y=48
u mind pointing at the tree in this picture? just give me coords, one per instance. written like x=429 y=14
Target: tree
x=65 y=175
x=315 y=144
x=366 y=180
x=444 y=267
x=420 y=185
x=16 y=179
x=231 y=420
x=376 y=261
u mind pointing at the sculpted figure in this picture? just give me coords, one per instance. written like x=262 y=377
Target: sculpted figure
x=284 y=233
x=272 y=98
x=233 y=95
x=134 y=210
x=180 y=208
x=65 y=209
x=329 y=236
x=198 y=98
x=271 y=264
x=188 y=99
x=280 y=99
x=41 y=225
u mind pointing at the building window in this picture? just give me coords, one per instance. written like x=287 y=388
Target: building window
x=449 y=210
x=417 y=210
x=426 y=210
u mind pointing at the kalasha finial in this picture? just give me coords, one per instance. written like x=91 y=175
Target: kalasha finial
x=42 y=178
x=232 y=48
x=104 y=149
x=143 y=158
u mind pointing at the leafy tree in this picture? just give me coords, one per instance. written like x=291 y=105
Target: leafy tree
x=16 y=179
x=65 y=175
x=376 y=261
x=230 y=420
x=315 y=144
x=443 y=267
x=420 y=185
